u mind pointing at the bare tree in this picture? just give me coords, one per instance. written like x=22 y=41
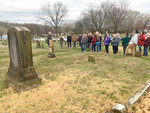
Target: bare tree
x=53 y=14
x=143 y=22
x=116 y=11
x=131 y=19
x=94 y=19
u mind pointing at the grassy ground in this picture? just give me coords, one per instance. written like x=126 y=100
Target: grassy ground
x=73 y=85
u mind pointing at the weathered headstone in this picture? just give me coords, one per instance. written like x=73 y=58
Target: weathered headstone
x=51 y=49
x=91 y=58
x=38 y=44
x=21 y=74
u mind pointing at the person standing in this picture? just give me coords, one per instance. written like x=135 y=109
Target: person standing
x=100 y=46
x=97 y=41
x=90 y=41
x=118 y=38
x=93 y=43
x=132 y=44
x=114 y=43
x=79 y=39
x=49 y=37
x=125 y=43
x=84 y=42
x=107 y=42
x=141 y=41
x=74 y=40
x=69 y=39
x=61 y=40
x=146 y=45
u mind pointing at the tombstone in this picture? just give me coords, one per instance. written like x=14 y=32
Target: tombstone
x=91 y=58
x=21 y=74
x=38 y=44
x=51 y=49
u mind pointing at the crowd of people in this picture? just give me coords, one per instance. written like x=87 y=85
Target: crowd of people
x=94 y=42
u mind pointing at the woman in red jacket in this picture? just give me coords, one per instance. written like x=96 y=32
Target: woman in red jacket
x=93 y=42
x=141 y=41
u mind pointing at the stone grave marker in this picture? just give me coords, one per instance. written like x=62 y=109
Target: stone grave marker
x=38 y=45
x=21 y=73
x=51 y=49
x=91 y=58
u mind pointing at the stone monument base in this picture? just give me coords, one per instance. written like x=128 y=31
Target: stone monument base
x=51 y=55
x=23 y=86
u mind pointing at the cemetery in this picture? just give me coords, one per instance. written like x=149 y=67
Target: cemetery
x=74 y=56
x=68 y=82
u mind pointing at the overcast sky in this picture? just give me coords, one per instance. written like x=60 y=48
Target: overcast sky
x=26 y=11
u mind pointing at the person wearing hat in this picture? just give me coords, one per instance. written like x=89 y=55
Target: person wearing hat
x=132 y=44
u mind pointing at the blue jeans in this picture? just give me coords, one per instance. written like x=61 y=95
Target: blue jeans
x=140 y=48
x=114 y=49
x=98 y=46
x=124 y=49
x=145 y=51
x=93 y=47
x=74 y=44
x=84 y=46
x=135 y=49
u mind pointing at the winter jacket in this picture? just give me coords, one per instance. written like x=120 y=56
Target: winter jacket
x=147 y=42
x=90 y=39
x=134 y=39
x=118 y=38
x=49 y=38
x=141 y=40
x=74 y=39
x=79 y=38
x=84 y=40
x=107 y=41
x=125 y=41
x=114 y=42
x=69 y=38
x=93 y=40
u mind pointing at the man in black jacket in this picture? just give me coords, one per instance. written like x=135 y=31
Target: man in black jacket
x=79 y=39
x=69 y=38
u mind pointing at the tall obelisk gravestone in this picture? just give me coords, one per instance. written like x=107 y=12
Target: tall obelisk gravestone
x=21 y=74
